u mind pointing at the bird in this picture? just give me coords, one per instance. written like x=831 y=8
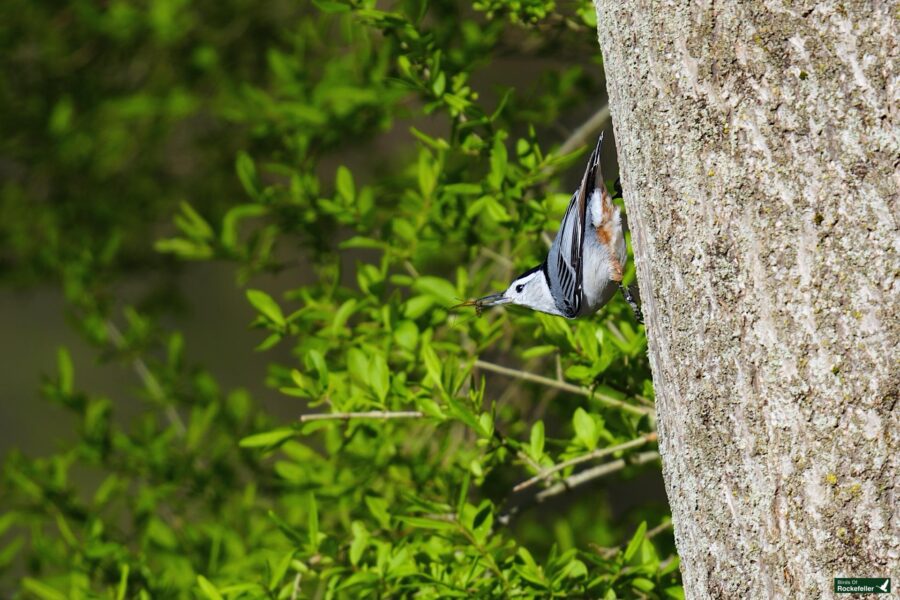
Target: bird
x=584 y=267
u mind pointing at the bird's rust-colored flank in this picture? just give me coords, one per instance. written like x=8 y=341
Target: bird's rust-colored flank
x=605 y=235
x=615 y=268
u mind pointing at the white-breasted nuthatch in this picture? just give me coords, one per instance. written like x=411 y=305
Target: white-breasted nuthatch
x=584 y=267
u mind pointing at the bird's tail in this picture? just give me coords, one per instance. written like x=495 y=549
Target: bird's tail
x=593 y=180
x=594 y=175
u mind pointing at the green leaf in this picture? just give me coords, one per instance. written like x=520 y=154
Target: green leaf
x=315 y=360
x=280 y=569
x=498 y=164
x=424 y=523
x=183 y=248
x=42 y=590
x=232 y=219
x=427 y=174
x=264 y=303
x=486 y=425
x=417 y=306
x=463 y=493
x=360 y=541
x=329 y=6
x=379 y=509
x=342 y=315
x=66 y=371
x=246 y=172
x=439 y=85
x=313 y=522
x=208 y=589
x=579 y=373
x=537 y=439
x=575 y=569
x=432 y=366
x=636 y=540
x=191 y=223
x=379 y=376
x=538 y=351
x=645 y=585
x=359 y=241
x=433 y=143
x=461 y=412
x=344 y=184
x=463 y=189
x=585 y=429
x=6 y=521
x=267 y=343
x=441 y=289
x=431 y=408
x=670 y=567
x=124 y=570
x=406 y=335
x=268 y=439
x=11 y=551
x=676 y=592
x=285 y=528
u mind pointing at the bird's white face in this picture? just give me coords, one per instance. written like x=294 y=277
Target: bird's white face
x=529 y=289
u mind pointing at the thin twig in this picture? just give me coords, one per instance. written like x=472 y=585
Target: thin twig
x=562 y=385
x=411 y=269
x=373 y=414
x=548 y=241
x=579 y=479
x=503 y=441
x=149 y=379
x=593 y=473
x=296 y=591
x=585 y=131
x=594 y=455
x=667 y=524
x=497 y=257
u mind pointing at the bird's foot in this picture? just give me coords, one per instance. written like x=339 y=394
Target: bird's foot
x=633 y=302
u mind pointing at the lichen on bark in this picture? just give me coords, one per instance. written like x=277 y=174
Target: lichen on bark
x=758 y=150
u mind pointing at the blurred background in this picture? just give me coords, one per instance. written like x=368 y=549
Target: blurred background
x=113 y=113
x=115 y=116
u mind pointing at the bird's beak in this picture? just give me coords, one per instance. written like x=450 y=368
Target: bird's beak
x=485 y=302
x=492 y=300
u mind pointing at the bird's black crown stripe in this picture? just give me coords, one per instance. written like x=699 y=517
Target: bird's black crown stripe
x=531 y=270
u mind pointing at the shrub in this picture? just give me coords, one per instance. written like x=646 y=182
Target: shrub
x=361 y=150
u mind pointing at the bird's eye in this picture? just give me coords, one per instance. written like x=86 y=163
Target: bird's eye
x=519 y=288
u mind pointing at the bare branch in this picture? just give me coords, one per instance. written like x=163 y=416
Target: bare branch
x=296 y=590
x=148 y=378
x=566 y=387
x=595 y=455
x=497 y=257
x=574 y=481
x=548 y=241
x=411 y=269
x=593 y=473
x=586 y=131
x=374 y=414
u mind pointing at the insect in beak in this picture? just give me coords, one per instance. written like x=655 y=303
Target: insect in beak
x=485 y=302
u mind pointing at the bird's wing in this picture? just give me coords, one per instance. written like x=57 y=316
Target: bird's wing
x=564 y=262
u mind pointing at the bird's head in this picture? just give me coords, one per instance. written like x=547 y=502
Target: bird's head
x=530 y=289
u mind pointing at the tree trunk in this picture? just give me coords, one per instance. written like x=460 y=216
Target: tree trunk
x=758 y=149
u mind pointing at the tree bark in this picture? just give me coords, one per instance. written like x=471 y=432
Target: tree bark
x=758 y=150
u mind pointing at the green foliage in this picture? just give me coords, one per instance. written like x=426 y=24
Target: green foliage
x=400 y=481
